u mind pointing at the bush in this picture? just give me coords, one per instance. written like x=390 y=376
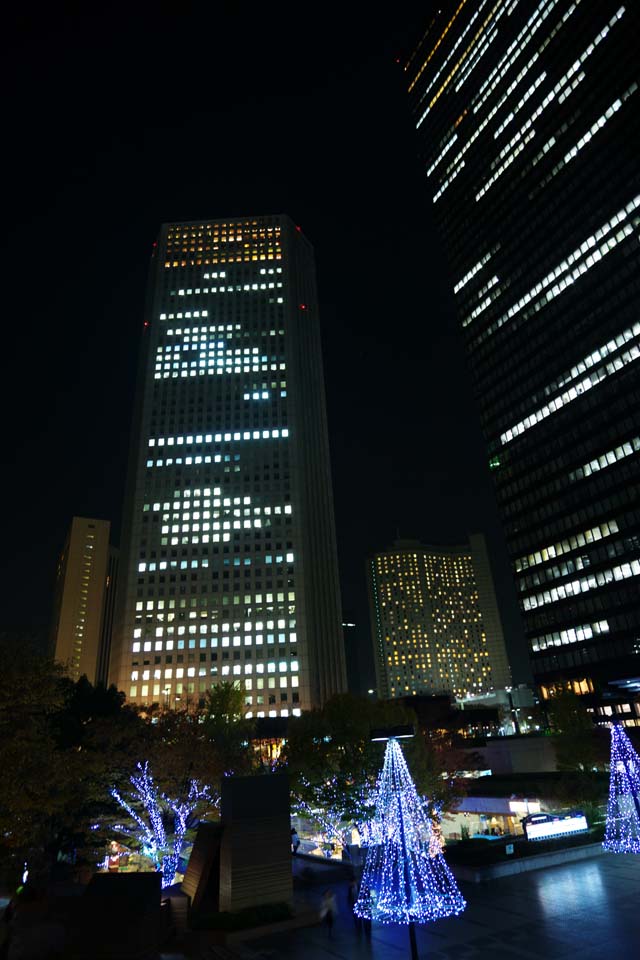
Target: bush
x=243 y=919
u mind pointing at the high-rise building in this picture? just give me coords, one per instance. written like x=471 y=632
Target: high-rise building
x=84 y=597
x=358 y=681
x=229 y=540
x=527 y=116
x=434 y=620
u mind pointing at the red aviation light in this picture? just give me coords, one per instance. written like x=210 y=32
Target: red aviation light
x=303 y=306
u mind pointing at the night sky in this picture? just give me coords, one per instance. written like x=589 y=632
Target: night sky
x=118 y=121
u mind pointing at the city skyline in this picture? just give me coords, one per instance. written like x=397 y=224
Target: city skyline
x=321 y=481
x=406 y=448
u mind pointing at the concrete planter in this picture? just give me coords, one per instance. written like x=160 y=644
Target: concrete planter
x=308 y=918
x=523 y=864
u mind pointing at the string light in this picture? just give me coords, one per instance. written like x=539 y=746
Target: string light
x=622 y=831
x=333 y=808
x=406 y=878
x=182 y=811
x=436 y=840
x=152 y=836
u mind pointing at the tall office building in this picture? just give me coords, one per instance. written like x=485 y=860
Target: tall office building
x=527 y=116
x=84 y=597
x=229 y=540
x=435 y=622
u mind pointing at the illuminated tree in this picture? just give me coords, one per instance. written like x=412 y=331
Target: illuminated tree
x=335 y=806
x=406 y=878
x=333 y=765
x=152 y=812
x=622 y=832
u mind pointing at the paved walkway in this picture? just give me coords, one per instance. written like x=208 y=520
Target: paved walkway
x=588 y=910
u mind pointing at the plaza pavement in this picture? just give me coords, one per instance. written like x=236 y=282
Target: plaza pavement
x=589 y=910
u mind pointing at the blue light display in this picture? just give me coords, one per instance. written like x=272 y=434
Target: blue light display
x=406 y=878
x=622 y=832
x=151 y=836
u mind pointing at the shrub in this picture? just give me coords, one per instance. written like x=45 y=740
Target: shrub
x=243 y=919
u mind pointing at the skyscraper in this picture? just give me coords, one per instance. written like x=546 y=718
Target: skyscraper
x=229 y=540
x=83 y=604
x=527 y=117
x=435 y=621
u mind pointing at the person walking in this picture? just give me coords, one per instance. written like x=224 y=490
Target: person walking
x=366 y=921
x=329 y=909
x=295 y=840
x=352 y=896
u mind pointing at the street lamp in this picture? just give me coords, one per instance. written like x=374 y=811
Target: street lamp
x=403 y=732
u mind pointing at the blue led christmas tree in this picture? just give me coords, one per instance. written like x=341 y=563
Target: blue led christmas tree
x=406 y=878
x=622 y=832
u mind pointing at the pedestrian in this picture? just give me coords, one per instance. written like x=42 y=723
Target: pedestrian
x=295 y=840
x=365 y=899
x=352 y=896
x=329 y=909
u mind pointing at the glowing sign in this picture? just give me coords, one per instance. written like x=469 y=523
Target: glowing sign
x=541 y=826
x=524 y=806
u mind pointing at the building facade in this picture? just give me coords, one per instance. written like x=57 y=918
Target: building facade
x=435 y=622
x=229 y=540
x=527 y=118
x=83 y=604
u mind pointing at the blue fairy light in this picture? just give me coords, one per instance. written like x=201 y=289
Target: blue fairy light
x=149 y=830
x=622 y=831
x=406 y=878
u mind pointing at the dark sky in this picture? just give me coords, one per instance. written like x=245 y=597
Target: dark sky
x=116 y=121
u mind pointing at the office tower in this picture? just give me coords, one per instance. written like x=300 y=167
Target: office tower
x=230 y=542
x=434 y=620
x=527 y=119
x=359 y=674
x=83 y=604
x=108 y=616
